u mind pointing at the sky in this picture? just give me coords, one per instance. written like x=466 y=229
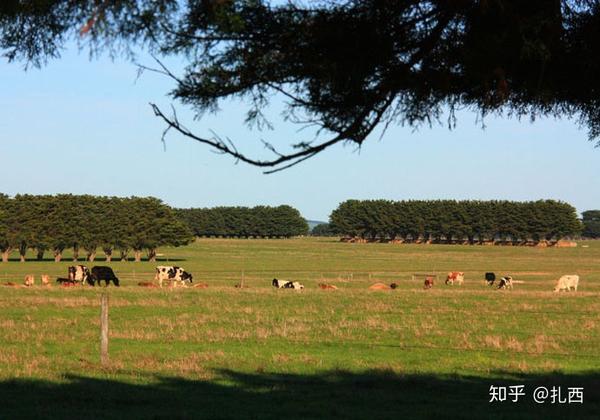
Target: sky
x=85 y=126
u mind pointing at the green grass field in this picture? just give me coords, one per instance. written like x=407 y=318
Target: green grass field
x=223 y=352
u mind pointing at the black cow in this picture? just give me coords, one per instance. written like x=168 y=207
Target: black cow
x=490 y=278
x=104 y=273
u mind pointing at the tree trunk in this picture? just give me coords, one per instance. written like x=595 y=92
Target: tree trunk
x=152 y=255
x=124 y=254
x=5 y=255
x=91 y=256
x=137 y=253
x=40 y=254
x=75 y=253
x=57 y=255
x=108 y=254
x=22 y=252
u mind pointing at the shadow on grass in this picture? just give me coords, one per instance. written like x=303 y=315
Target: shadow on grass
x=333 y=394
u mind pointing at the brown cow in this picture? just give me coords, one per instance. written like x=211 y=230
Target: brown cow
x=45 y=280
x=29 y=280
x=428 y=283
x=147 y=284
x=379 y=286
x=455 y=276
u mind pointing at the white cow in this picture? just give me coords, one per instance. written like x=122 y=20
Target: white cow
x=175 y=274
x=566 y=282
x=283 y=284
x=506 y=282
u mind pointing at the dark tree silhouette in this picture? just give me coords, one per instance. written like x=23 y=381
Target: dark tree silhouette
x=344 y=67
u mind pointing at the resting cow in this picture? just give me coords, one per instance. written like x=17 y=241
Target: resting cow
x=66 y=282
x=177 y=275
x=80 y=273
x=45 y=280
x=100 y=273
x=283 y=284
x=566 y=282
x=506 y=282
x=29 y=280
x=490 y=278
x=455 y=276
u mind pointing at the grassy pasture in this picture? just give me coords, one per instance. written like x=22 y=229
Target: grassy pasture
x=223 y=352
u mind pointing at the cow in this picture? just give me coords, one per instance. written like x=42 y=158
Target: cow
x=566 y=282
x=490 y=278
x=81 y=274
x=455 y=276
x=394 y=286
x=66 y=282
x=100 y=273
x=29 y=280
x=506 y=282
x=177 y=275
x=45 y=280
x=284 y=284
x=428 y=283
x=379 y=286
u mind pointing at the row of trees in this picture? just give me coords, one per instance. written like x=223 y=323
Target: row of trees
x=243 y=222
x=88 y=223
x=591 y=224
x=450 y=221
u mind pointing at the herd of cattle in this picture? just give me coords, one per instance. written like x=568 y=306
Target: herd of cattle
x=81 y=275
x=177 y=276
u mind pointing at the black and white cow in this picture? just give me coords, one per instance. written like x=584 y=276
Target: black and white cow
x=490 y=278
x=283 y=284
x=506 y=282
x=80 y=273
x=104 y=273
x=177 y=275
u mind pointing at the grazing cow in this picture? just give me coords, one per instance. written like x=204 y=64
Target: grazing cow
x=455 y=276
x=81 y=274
x=100 y=273
x=177 y=275
x=566 y=282
x=45 y=280
x=29 y=280
x=326 y=286
x=284 y=284
x=506 y=282
x=490 y=278
x=428 y=283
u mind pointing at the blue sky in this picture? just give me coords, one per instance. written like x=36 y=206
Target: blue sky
x=82 y=126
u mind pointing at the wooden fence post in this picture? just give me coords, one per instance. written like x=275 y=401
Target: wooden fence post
x=104 y=329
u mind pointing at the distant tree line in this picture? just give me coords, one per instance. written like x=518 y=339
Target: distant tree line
x=86 y=223
x=591 y=224
x=322 y=229
x=244 y=222
x=448 y=221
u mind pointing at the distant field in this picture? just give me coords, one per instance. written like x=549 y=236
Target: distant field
x=223 y=352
